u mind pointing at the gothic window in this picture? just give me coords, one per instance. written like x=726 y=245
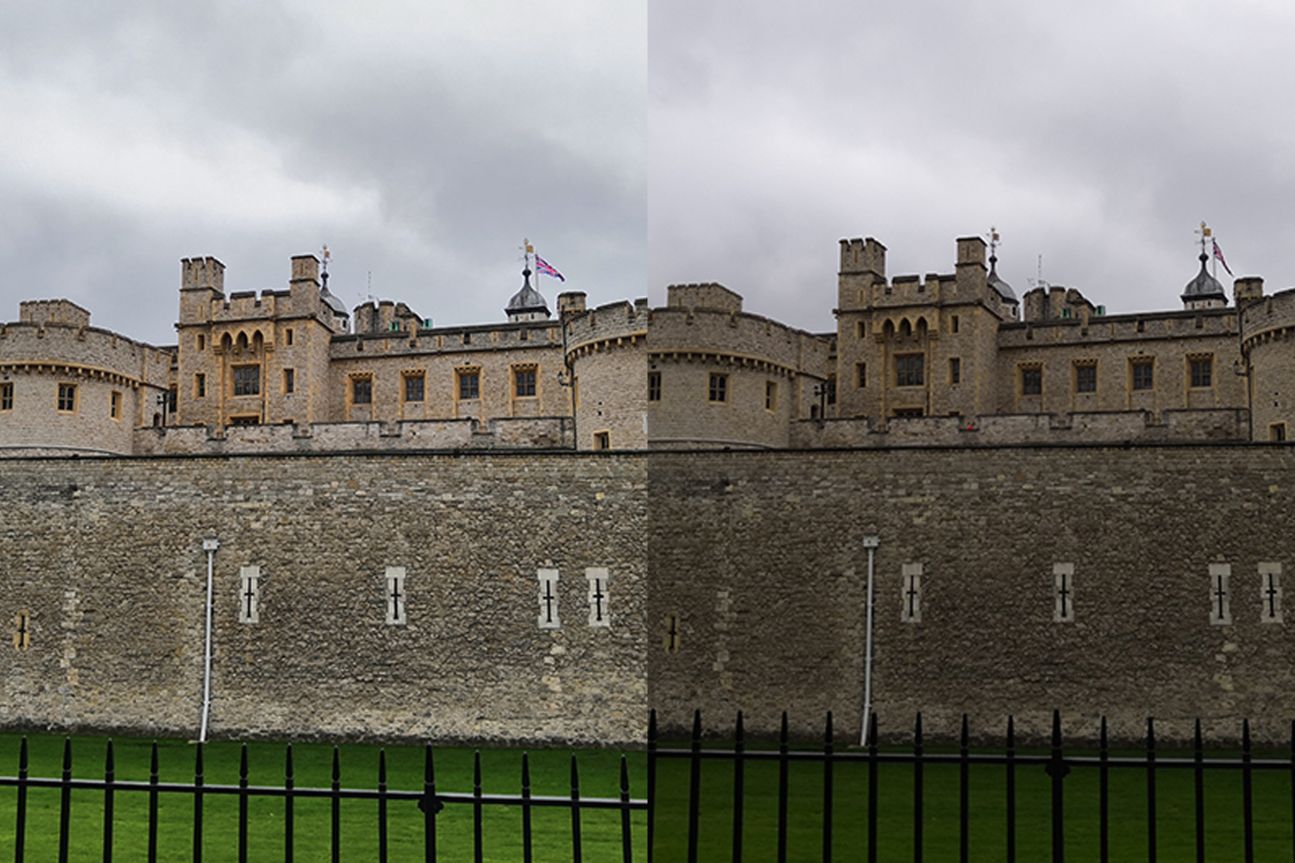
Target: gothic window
x=909 y=369
x=247 y=380
x=654 y=386
x=6 y=396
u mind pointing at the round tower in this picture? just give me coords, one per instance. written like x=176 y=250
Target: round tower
x=1268 y=347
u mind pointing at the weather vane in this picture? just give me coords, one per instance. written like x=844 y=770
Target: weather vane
x=994 y=240
x=326 y=255
x=1206 y=233
x=527 y=250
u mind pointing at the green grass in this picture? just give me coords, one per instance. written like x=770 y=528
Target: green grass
x=1175 y=819
x=501 y=772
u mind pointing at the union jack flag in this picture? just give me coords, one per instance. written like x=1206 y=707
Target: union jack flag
x=544 y=267
x=1218 y=253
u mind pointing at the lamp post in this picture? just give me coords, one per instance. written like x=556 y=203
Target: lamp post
x=870 y=543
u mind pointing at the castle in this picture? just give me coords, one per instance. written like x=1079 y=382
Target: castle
x=538 y=529
x=946 y=359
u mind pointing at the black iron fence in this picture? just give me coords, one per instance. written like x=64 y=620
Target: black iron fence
x=429 y=800
x=1049 y=831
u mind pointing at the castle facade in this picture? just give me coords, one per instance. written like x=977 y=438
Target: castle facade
x=953 y=358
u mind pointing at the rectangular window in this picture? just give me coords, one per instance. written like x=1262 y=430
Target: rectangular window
x=602 y=440
x=861 y=375
x=1086 y=378
x=953 y=323
x=202 y=342
x=718 y=391
x=287 y=335
x=414 y=387
x=830 y=383
x=247 y=380
x=469 y=384
x=524 y=382
x=67 y=397
x=114 y=405
x=654 y=386
x=1142 y=374
x=1202 y=371
x=1277 y=432
x=862 y=329
x=289 y=381
x=362 y=390
x=172 y=395
x=1031 y=381
x=770 y=395
x=6 y=396
x=955 y=369
x=199 y=386
x=908 y=370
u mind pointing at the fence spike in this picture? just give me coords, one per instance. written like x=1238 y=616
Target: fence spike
x=577 y=844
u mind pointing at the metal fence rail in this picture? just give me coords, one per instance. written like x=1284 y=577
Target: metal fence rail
x=1055 y=762
x=429 y=800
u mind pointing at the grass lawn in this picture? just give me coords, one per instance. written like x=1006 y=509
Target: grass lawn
x=1175 y=808
x=501 y=772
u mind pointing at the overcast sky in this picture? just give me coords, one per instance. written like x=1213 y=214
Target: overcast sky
x=421 y=141
x=1097 y=134
x=637 y=144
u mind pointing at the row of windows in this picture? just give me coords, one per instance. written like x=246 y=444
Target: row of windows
x=1142 y=375
x=65 y=400
x=247 y=382
x=910 y=372
x=716 y=389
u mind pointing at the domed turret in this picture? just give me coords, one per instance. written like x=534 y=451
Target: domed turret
x=996 y=282
x=527 y=304
x=1204 y=291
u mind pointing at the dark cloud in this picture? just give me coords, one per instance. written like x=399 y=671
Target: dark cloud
x=1096 y=135
x=421 y=144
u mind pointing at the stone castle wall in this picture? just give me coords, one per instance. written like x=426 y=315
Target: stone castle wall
x=757 y=563
x=500 y=433
x=607 y=349
x=105 y=556
x=1169 y=426
x=748 y=564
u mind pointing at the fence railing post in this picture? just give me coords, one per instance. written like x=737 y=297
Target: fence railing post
x=289 y=815
x=918 y=796
x=1057 y=769
x=1103 y=795
x=739 y=785
x=152 y=803
x=577 y=842
x=197 y=803
x=1247 y=791
x=694 y=787
x=651 y=783
x=109 y=775
x=827 y=790
x=1151 y=790
x=783 y=764
x=1198 y=788
x=65 y=802
x=872 y=788
x=1010 y=769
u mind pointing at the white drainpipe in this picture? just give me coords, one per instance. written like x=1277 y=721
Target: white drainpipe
x=870 y=543
x=209 y=546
